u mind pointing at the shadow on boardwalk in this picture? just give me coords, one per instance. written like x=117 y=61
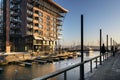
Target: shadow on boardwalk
x=110 y=70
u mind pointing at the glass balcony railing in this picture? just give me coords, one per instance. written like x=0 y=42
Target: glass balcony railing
x=29 y=12
x=14 y=20
x=29 y=26
x=29 y=19
x=13 y=13
x=15 y=8
x=15 y=1
x=29 y=5
x=29 y=33
x=59 y=28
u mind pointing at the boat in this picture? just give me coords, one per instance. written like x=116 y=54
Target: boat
x=41 y=61
x=26 y=64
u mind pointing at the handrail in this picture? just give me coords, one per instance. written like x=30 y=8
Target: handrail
x=64 y=70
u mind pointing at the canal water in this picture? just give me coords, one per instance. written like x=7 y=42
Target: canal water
x=17 y=72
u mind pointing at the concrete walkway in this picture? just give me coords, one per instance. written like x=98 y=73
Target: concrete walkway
x=110 y=70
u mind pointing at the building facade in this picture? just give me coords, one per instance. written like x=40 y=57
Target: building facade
x=30 y=25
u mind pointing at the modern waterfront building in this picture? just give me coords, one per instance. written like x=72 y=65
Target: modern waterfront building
x=30 y=25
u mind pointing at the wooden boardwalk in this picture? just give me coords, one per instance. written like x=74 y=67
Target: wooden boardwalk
x=110 y=70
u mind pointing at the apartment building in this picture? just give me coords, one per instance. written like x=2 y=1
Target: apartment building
x=30 y=25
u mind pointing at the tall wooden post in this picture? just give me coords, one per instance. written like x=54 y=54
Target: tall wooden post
x=7 y=25
x=111 y=46
x=82 y=56
x=107 y=45
x=100 y=46
x=111 y=42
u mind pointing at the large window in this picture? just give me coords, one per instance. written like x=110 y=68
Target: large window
x=37 y=12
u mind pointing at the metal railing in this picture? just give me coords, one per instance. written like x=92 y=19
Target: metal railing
x=58 y=72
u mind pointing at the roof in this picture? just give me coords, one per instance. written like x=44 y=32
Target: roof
x=57 y=5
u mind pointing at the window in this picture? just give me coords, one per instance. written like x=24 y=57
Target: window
x=36 y=18
x=36 y=31
x=36 y=24
x=37 y=12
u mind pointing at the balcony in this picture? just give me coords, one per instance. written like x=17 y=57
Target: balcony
x=31 y=1
x=59 y=37
x=35 y=28
x=15 y=7
x=13 y=14
x=15 y=1
x=36 y=21
x=59 y=33
x=59 y=23
x=36 y=43
x=59 y=28
x=35 y=14
x=14 y=20
x=29 y=19
x=29 y=33
x=29 y=26
x=14 y=27
x=29 y=12
x=29 y=6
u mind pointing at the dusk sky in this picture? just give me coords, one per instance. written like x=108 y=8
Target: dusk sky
x=98 y=14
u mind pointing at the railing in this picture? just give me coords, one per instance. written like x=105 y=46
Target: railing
x=104 y=57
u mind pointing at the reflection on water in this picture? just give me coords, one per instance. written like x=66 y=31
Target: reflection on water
x=16 y=72
x=90 y=53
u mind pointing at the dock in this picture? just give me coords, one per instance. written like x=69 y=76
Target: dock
x=22 y=63
x=41 y=61
x=109 y=70
x=25 y=64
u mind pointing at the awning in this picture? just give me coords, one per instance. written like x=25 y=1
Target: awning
x=38 y=38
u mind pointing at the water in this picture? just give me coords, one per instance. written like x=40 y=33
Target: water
x=16 y=72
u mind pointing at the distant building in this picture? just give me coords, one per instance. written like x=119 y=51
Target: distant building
x=27 y=25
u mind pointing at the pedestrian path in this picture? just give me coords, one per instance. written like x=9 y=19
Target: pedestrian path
x=110 y=70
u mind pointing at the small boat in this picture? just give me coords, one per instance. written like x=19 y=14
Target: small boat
x=55 y=59
x=50 y=61
x=63 y=58
x=25 y=64
x=70 y=56
x=41 y=61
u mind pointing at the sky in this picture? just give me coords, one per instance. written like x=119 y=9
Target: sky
x=98 y=14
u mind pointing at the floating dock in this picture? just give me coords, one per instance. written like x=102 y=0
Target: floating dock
x=41 y=61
